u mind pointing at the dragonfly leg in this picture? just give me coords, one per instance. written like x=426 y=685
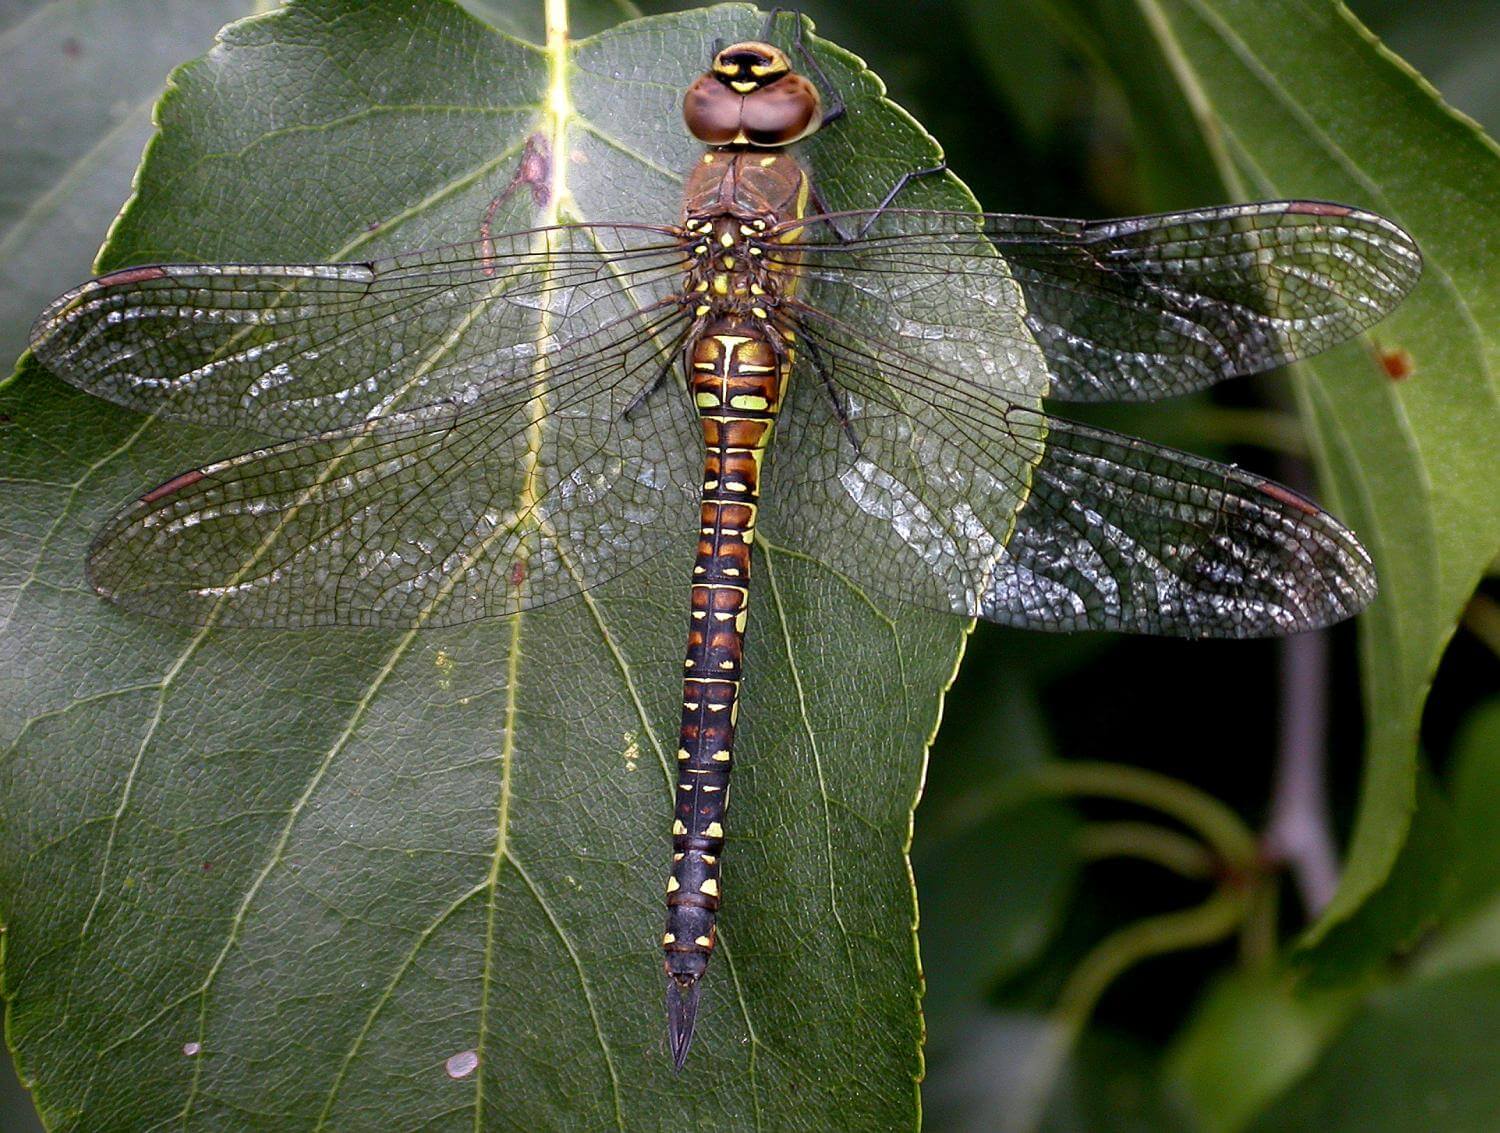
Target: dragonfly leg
x=650 y=387
x=839 y=398
x=835 y=108
x=683 y=351
x=906 y=179
x=822 y=211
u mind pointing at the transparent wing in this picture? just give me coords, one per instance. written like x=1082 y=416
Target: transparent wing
x=289 y=350
x=554 y=479
x=1147 y=307
x=925 y=486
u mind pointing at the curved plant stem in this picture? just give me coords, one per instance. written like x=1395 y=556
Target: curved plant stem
x=1216 y=919
x=1184 y=856
x=1258 y=944
x=1228 y=836
x=1228 y=850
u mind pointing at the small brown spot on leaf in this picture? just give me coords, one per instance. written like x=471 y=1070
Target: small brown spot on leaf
x=1396 y=363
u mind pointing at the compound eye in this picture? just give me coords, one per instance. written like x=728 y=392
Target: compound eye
x=782 y=112
x=712 y=111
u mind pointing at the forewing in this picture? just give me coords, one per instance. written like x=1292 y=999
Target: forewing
x=288 y=350
x=924 y=488
x=553 y=481
x=1147 y=307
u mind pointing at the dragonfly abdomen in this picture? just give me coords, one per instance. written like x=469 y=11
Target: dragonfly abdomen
x=736 y=380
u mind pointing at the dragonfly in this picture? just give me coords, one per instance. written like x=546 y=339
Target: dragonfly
x=589 y=397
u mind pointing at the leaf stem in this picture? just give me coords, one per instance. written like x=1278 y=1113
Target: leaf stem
x=1231 y=840
x=1214 y=920
x=1299 y=831
x=1231 y=853
x=1184 y=856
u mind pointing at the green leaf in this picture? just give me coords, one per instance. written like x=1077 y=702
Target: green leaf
x=271 y=880
x=1301 y=102
x=1470 y=942
x=1422 y=1056
x=1414 y=898
x=1249 y=1037
x=1169 y=158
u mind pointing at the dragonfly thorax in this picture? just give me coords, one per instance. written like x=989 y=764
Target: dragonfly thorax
x=728 y=274
x=746 y=186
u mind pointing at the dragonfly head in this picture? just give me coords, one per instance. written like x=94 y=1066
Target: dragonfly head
x=750 y=96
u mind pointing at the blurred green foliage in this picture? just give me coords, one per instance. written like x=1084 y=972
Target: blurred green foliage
x=1389 y=1023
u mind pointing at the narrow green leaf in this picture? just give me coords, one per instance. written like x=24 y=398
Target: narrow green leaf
x=1170 y=166
x=358 y=880
x=1301 y=102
